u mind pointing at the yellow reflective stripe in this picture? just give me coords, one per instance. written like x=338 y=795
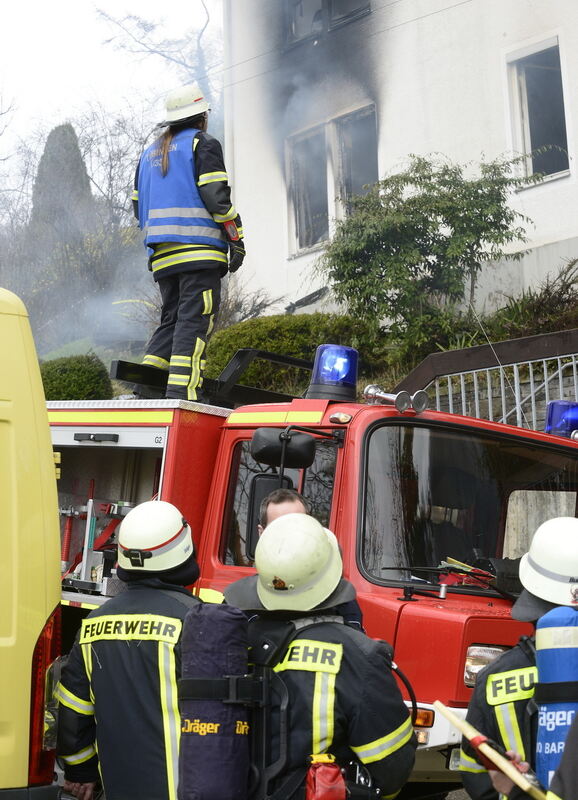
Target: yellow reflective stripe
x=180 y=361
x=552 y=796
x=512 y=685
x=171 y=716
x=209 y=595
x=304 y=416
x=231 y=214
x=134 y=195
x=109 y=417
x=192 y=255
x=212 y=177
x=509 y=728
x=548 y=638
x=172 y=247
x=323 y=711
x=76 y=604
x=381 y=748
x=249 y=417
x=208 y=301
x=128 y=627
x=195 y=370
x=209 y=331
x=177 y=380
x=311 y=655
x=468 y=764
x=72 y=701
x=155 y=361
x=81 y=756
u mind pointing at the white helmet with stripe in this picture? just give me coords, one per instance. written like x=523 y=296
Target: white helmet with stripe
x=185 y=102
x=154 y=537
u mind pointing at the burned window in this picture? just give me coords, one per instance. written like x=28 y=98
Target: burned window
x=310 y=18
x=305 y=19
x=357 y=136
x=309 y=183
x=344 y=10
x=541 y=111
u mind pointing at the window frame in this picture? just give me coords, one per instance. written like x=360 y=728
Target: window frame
x=518 y=103
x=329 y=22
x=336 y=204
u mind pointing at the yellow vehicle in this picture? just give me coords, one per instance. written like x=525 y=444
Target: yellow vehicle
x=29 y=565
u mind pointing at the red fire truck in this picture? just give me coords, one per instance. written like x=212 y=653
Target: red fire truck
x=431 y=510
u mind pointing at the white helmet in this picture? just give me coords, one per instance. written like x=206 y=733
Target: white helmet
x=549 y=569
x=298 y=563
x=154 y=537
x=184 y=102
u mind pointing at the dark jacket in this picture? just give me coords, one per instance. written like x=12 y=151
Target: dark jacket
x=500 y=710
x=118 y=694
x=343 y=699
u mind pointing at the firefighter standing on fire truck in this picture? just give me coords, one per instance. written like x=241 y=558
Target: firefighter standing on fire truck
x=501 y=706
x=119 y=717
x=343 y=698
x=182 y=200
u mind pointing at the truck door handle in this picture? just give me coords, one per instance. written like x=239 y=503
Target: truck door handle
x=96 y=437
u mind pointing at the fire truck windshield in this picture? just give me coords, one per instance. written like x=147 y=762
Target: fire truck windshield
x=435 y=493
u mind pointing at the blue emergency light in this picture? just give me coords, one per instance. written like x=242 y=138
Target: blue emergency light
x=334 y=375
x=562 y=418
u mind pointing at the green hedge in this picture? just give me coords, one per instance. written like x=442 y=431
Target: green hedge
x=293 y=335
x=82 y=377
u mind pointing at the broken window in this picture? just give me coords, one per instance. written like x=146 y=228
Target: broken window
x=541 y=106
x=309 y=182
x=342 y=10
x=357 y=137
x=305 y=18
x=312 y=17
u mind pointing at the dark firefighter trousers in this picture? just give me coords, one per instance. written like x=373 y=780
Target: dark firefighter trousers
x=190 y=302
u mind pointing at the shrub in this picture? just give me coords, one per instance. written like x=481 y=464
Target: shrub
x=293 y=335
x=83 y=377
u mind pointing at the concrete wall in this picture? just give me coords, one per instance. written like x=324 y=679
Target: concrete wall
x=437 y=73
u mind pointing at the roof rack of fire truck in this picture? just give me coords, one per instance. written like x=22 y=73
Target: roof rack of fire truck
x=222 y=391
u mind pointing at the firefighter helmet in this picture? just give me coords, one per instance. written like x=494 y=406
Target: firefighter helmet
x=298 y=563
x=154 y=537
x=185 y=102
x=549 y=570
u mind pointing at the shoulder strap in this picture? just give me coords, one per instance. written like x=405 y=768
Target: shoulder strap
x=187 y=600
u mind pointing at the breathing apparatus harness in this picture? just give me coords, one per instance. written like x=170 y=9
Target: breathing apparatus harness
x=268 y=643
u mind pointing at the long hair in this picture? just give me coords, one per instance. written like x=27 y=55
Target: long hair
x=165 y=139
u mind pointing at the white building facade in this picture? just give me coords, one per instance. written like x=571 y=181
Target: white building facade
x=324 y=96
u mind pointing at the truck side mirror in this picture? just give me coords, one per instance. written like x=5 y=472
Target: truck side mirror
x=267 y=448
x=262 y=484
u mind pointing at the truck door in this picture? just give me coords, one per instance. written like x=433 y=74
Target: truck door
x=227 y=553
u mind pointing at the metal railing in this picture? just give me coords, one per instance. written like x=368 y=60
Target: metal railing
x=517 y=394
x=507 y=382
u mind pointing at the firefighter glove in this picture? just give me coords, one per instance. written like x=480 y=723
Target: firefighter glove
x=236 y=255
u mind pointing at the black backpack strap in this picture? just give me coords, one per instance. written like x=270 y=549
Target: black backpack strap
x=187 y=600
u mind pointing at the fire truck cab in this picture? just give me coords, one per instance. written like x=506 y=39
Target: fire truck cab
x=432 y=512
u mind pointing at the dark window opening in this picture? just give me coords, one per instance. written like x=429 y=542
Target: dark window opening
x=543 y=117
x=345 y=10
x=309 y=177
x=315 y=483
x=434 y=494
x=310 y=18
x=357 y=134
